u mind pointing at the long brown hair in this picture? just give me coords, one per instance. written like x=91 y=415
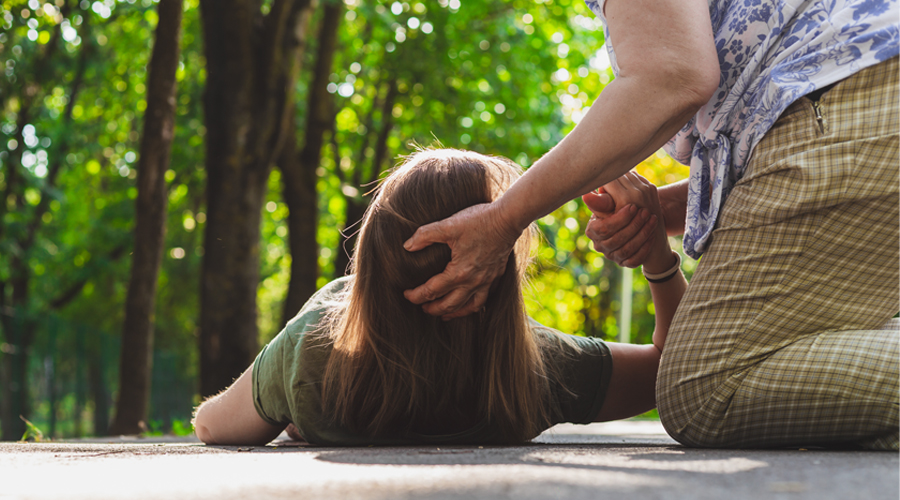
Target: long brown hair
x=394 y=368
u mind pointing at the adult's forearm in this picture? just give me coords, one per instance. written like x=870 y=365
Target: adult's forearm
x=632 y=118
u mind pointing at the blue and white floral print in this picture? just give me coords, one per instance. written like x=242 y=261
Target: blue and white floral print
x=771 y=53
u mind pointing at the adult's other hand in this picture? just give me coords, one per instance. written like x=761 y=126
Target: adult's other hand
x=480 y=242
x=624 y=236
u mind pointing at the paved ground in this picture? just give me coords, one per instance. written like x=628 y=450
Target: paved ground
x=633 y=460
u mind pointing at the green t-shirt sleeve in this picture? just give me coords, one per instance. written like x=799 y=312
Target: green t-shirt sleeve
x=277 y=374
x=580 y=370
x=269 y=397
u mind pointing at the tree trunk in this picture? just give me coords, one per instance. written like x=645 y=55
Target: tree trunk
x=299 y=192
x=14 y=370
x=299 y=171
x=246 y=106
x=150 y=227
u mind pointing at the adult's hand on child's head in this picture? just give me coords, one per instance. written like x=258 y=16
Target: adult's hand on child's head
x=624 y=236
x=480 y=242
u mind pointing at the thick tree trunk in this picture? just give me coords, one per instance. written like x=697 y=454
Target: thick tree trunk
x=150 y=227
x=14 y=370
x=299 y=171
x=246 y=106
x=299 y=192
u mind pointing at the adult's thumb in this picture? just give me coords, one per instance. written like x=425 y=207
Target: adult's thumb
x=599 y=202
x=423 y=237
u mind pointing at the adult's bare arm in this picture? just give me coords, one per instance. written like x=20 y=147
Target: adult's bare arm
x=665 y=75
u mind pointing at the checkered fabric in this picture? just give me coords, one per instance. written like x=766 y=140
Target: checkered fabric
x=784 y=336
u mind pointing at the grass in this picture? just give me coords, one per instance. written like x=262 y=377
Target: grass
x=650 y=415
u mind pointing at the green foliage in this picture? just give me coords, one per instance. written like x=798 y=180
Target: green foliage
x=507 y=78
x=650 y=415
x=182 y=428
x=31 y=432
x=86 y=116
x=177 y=427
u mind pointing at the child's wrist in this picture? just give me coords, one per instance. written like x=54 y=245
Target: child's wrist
x=666 y=275
x=661 y=258
x=662 y=267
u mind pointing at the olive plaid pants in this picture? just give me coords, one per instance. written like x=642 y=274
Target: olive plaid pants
x=784 y=336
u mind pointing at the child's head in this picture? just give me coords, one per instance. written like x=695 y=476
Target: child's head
x=396 y=369
x=429 y=186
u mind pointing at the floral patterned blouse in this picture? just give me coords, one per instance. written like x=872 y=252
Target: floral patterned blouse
x=771 y=53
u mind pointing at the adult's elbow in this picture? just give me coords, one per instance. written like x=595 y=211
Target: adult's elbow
x=696 y=78
x=701 y=82
x=684 y=86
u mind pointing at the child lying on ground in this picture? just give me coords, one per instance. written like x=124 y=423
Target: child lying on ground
x=361 y=365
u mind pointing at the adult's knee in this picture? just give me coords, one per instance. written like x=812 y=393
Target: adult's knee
x=689 y=428
x=673 y=401
x=673 y=407
x=685 y=407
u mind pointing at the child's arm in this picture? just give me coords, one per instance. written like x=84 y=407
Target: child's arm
x=230 y=417
x=632 y=387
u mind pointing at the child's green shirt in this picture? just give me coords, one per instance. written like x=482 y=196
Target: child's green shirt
x=287 y=378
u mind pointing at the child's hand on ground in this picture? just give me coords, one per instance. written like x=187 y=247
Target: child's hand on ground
x=294 y=433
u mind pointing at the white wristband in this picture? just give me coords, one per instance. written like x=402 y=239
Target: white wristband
x=666 y=275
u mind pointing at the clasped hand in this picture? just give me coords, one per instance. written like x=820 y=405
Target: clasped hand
x=627 y=224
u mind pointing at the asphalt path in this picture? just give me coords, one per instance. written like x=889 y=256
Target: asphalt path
x=632 y=459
